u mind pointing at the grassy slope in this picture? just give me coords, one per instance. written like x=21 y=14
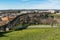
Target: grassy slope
x=33 y=34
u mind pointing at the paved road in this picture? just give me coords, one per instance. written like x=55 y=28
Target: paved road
x=41 y=26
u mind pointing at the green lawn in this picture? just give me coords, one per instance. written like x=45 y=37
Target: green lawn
x=33 y=34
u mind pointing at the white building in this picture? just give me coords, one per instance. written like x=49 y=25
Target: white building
x=52 y=11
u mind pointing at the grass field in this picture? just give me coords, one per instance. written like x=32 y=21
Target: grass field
x=33 y=34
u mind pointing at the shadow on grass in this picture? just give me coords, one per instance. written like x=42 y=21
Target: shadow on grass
x=2 y=34
x=22 y=28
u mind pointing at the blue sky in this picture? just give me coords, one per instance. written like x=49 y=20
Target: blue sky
x=29 y=4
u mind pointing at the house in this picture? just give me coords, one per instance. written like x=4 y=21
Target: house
x=52 y=11
x=4 y=18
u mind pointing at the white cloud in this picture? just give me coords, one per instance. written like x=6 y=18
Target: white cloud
x=24 y=0
x=52 y=4
x=54 y=1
